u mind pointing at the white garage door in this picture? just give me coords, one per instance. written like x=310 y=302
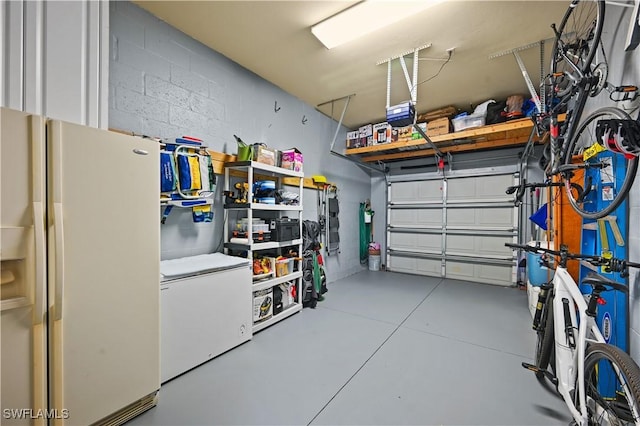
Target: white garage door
x=453 y=227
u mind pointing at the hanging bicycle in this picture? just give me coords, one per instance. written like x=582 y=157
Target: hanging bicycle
x=591 y=155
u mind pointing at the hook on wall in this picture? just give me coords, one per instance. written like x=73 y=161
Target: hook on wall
x=276 y=108
x=304 y=119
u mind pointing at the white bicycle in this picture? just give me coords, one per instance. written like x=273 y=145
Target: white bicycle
x=599 y=382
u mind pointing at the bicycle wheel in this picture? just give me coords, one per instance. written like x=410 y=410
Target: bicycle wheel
x=575 y=46
x=611 y=174
x=546 y=337
x=612 y=385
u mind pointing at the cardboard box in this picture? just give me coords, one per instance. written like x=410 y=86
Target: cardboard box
x=394 y=134
x=366 y=135
x=262 y=305
x=414 y=132
x=292 y=160
x=381 y=133
x=353 y=139
x=438 y=127
x=265 y=155
x=403 y=133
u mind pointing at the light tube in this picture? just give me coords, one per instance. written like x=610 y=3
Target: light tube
x=364 y=18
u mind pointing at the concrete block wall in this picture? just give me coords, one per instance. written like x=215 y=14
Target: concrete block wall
x=165 y=84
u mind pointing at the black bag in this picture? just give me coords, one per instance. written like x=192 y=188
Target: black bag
x=310 y=235
x=496 y=112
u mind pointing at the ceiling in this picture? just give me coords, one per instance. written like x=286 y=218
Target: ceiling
x=273 y=39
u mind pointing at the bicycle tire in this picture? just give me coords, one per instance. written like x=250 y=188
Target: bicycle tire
x=589 y=205
x=546 y=337
x=577 y=40
x=622 y=399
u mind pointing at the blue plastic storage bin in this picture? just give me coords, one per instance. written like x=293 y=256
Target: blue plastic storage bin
x=536 y=273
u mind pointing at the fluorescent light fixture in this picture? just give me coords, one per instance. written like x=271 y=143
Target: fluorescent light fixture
x=364 y=18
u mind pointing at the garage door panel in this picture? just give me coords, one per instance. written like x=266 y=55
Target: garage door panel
x=429 y=267
x=404 y=191
x=430 y=190
x=412 y=241
x=487 y=216
x=427 y=190
x=478 y=187
x=413 y=217
x=402 y=264
x=403 y=217
x=488 y=274
x=479 y=245
x=460 y=217
x=459 y=189
x=495 y=217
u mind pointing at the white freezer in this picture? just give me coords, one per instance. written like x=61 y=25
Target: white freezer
x=205 y=314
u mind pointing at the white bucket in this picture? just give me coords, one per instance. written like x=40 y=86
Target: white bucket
x=374 y=262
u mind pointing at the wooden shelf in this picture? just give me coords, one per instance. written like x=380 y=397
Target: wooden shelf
x=502 y=135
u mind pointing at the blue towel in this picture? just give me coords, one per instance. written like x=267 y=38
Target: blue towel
x=167 y=173
x=185 y=172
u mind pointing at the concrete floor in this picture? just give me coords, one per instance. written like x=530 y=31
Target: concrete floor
x=382 y=349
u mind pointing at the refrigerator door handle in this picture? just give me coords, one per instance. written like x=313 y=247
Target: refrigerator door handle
x=59 y=235
x=38 y=168
x=40 y=279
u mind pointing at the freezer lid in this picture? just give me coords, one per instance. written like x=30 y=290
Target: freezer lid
x=204 y=263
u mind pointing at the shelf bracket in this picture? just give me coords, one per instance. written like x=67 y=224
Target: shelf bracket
x=525 y=74
x=412 y=81
x=347 y=99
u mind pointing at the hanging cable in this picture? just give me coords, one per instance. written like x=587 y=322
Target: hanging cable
x=437 y=73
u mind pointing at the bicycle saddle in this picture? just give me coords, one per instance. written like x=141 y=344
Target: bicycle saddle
x=594 y=280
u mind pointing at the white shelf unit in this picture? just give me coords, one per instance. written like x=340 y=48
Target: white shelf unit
x=276 y=173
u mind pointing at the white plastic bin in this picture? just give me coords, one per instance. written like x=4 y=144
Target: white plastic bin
x=374 y=262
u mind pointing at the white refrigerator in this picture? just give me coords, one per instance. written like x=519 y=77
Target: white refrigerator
x=80 y=253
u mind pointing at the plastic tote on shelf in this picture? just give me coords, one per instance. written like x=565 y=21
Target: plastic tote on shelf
x=536 y=273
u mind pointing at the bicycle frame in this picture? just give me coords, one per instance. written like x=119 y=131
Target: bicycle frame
x=569 y=349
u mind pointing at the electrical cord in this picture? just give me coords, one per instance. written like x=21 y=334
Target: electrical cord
x=437 y=73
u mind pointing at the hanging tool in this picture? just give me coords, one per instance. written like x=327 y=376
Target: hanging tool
x=604 y=242
x=616 y=231
x=332 y=210
x=320 y=182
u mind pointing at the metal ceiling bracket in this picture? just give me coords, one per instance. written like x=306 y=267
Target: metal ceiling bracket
x=523 y=69
x=412 y=81
x=527 y=79
x=335 y=136
x=450 y=161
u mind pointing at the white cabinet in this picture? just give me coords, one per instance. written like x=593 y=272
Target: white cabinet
x=246 y=245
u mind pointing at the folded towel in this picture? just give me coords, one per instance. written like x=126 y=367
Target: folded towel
x=189 y=169
x=167 y=172
x=204 y=172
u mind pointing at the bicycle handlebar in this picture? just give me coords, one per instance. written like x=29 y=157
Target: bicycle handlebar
x=610 y=264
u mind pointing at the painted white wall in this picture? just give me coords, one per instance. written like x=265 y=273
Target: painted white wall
x=54 y=59
x=165 y=84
